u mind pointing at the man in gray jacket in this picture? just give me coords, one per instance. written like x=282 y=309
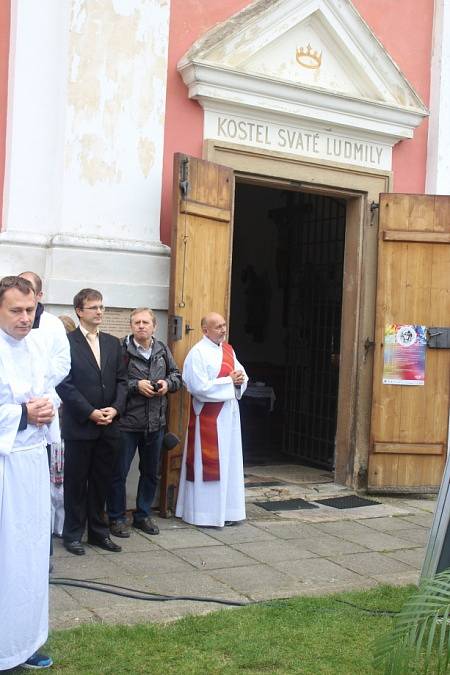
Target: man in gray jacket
x=152 y=374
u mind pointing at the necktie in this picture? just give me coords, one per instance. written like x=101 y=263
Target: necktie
x=92 y=339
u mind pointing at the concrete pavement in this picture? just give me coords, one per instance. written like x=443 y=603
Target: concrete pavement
x=274 y=554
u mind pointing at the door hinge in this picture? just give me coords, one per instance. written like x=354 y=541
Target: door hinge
x=374 y=208
x=184 y=177
x=368 y=345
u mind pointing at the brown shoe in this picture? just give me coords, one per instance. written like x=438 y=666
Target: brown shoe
x=146 y=525
x=119 y=528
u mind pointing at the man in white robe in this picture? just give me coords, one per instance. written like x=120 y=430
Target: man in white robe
x=211 y=491
x=26 y=414
x=50 y=332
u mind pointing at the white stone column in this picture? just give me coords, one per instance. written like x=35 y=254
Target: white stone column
x=438 y=156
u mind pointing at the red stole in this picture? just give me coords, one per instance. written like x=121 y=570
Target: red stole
x=208 y=428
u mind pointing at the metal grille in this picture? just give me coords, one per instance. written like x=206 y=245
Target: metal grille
x=313 y=317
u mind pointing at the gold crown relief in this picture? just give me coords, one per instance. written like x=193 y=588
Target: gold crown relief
x=308 y=58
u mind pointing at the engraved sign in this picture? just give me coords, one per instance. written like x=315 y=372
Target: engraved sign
x=298 y=140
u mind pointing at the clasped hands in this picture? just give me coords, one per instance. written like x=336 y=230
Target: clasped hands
x=103 y=416
x=145 y=388
x=40 y=411
x=238 y=377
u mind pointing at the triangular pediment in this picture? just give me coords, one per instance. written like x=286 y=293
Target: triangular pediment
x=311 y=59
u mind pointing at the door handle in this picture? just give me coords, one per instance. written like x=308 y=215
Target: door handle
x=188 y=328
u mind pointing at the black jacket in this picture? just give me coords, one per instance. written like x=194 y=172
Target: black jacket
x=144 y=413
x=87 y=388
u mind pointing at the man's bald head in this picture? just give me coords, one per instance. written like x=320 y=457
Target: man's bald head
x=214 y=327
x=35 y=280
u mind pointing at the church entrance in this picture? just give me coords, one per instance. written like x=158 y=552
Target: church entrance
x=285 y=321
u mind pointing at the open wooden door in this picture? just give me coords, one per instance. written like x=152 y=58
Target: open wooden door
x=409 y=423
x=203 y=195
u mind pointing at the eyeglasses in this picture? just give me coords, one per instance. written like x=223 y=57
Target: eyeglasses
x=95 y=308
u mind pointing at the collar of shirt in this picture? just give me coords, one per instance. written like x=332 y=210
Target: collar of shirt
x=85 y=332
x=146 y=353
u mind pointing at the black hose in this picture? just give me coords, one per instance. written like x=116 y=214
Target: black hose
x=132 y=593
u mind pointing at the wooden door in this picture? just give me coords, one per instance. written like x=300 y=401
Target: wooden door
x=409 y=424
x=200 y=274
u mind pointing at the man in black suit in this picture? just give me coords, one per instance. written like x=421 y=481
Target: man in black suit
x=94 y=395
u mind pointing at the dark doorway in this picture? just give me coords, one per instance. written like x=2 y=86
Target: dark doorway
x=285 y=321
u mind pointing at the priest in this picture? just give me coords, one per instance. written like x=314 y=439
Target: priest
x=27 y=411
x=211 y=489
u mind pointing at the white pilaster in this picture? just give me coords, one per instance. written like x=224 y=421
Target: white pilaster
x=85 y=148
x=438 y=157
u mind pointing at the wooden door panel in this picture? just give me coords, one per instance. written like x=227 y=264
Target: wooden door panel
x=409 y=423
x=200 y=279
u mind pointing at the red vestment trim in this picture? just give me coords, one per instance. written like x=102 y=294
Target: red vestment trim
x=208 y=428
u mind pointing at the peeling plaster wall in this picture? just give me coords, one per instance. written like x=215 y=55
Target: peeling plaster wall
x=116 y=84
x=87 y=90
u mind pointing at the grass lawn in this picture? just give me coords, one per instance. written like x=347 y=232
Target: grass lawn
x=314 y=636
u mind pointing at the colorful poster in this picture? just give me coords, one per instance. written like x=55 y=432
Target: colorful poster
x=404 y=354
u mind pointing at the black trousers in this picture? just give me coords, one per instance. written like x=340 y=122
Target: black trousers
x=88 y=468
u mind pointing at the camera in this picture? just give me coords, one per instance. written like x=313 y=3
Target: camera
x=155 y=385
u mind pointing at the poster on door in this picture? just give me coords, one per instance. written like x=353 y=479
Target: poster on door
x=404 y=354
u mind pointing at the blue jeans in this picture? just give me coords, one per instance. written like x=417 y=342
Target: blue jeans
x=149 y=447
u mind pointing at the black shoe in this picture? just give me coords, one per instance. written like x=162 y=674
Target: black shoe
x=231 y=523
x=75 y=547
x=146 y=525
x=119 y=528
x=105 y=543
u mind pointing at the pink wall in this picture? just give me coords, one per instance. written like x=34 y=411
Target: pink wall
x=405 y=29
x=410 y=48
x=184 y=118
x=5 y=15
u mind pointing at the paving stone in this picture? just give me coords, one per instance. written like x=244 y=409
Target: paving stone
x=412 y=556
x=417 y=535
x=170 y=523
x=327 y=514
x=150 y=562
x=86 y=566
x=275 y=551
x=214 y=557
x=71 y=618
x=364 y=536
x=196 y=582
x=137 y=541
x=371 y=564
x=416 y=506
x=424 y=520
x=159 y=612
x=357 y=583
x=255 y=512
x=95 y=601
x=325 y=544
x=239 y=534
x=318 y=569
x=398 y=579
x=61 y=601
x=186 y=538
x=289 y=530
x=258 y=581
x=391 y=524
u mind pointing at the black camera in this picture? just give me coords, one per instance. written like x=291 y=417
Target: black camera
x=155 y=385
